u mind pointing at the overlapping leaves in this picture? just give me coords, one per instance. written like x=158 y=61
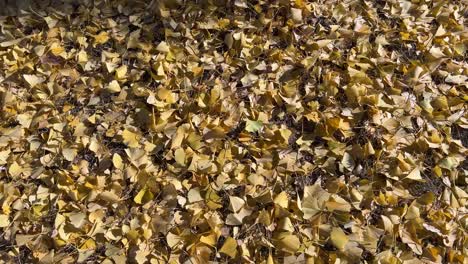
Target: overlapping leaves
x=234 y=131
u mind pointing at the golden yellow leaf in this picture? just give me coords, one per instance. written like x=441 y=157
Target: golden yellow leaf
x=338 y=238
x=130 y=138
x=173 y=240
x=101 y=38
x=15 y=169
x=117 y=161
x=121 y=72
x=236 y=203
x=4 y=220
x=57 y=49
x=33 y=80
x=163 y=47
x=69 y=153
x=288 y=242
x=194 y=195
x=110 y=197
x=88 y=244
x=209 y=239
x=282 y=200
x=415 y=174
x=114 y=87
x=179 y=155
x=229 y=247
x=143 y=196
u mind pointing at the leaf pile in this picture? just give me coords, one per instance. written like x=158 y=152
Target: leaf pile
x=234 y=131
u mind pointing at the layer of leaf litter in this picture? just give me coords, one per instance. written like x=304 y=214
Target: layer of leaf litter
x=233 y=131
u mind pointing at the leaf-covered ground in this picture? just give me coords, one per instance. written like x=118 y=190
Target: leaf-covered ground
x=233 y=131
